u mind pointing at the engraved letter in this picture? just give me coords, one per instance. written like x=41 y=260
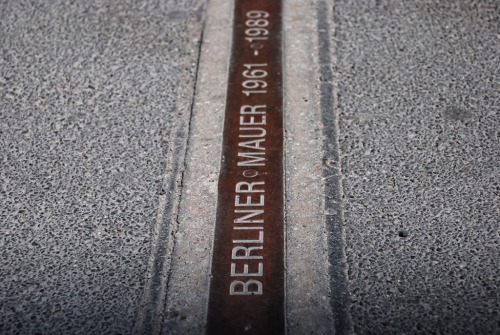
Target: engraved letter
x=238 y=287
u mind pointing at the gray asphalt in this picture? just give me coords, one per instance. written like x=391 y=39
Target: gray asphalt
x=89 y=102
x=418 y=103
x=94 y=118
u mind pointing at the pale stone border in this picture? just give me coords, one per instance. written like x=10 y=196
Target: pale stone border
x=308 y=288
x=188 y=284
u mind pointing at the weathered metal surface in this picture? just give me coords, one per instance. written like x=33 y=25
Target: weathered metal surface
x=247 y=286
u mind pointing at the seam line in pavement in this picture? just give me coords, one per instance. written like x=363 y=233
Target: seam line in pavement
x=332 y=174
x=182 y=172
x=188 y=284
x=151 y=311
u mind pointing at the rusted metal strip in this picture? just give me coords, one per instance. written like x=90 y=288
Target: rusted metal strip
x=247 y=286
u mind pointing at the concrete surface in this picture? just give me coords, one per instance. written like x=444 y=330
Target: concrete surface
x=308 y=290
x=418 y=105
x=93 y=97
x=110 y=143
x=188 y=285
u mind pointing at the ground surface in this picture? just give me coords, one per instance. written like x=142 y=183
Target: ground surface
x=90 y=97
x=418 y=98
x=393 y=165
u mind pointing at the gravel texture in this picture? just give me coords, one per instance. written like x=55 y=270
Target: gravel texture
x=418 y=104
x=88 y=98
